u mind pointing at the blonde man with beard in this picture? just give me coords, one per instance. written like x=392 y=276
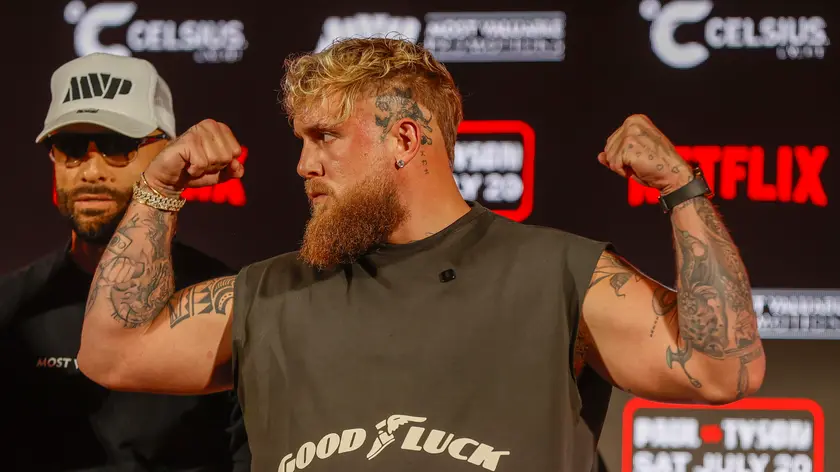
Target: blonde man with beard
x=415 y=331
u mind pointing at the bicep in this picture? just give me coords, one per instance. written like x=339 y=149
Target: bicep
x=187 y=349
x=631 y=326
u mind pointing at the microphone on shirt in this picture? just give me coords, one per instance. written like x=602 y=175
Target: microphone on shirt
x=447 y=275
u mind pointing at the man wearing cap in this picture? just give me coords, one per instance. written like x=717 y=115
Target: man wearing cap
x=109 y=116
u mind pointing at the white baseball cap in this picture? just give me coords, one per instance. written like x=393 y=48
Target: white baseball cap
x=123 y=94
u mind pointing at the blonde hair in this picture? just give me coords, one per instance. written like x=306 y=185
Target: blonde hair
x=355 y=68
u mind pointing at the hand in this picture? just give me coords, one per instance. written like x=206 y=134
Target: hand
x=640 y=151
x=204 y=155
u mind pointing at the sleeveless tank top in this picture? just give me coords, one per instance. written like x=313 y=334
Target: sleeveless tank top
x=452 y=353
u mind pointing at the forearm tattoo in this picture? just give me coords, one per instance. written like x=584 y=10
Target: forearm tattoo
x=712 y=306
x=714 y=303
x=134 y=278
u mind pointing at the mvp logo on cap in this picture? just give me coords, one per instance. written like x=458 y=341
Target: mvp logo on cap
x=123 y=94
x=98 y=85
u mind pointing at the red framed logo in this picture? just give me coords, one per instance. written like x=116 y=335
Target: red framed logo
x=742 y=172
x=779 y=434
x=494 y=168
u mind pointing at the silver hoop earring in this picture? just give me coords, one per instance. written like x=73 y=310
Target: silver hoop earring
x=400 y=164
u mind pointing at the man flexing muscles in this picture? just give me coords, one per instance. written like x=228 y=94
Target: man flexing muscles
x=413 y=330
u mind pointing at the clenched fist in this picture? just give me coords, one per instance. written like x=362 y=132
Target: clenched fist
x=640 y=151
x=204 y=155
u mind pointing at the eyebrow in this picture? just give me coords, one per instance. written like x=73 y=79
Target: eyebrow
x=319 y=126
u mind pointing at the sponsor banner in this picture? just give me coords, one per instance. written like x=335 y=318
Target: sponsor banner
x=206 y=40
x=494 y=165
x=745 y=172
x=751 y=435
x=368 y=25
x=797 y=313
x=463 y=36
x=785 y=37
x=496 y=36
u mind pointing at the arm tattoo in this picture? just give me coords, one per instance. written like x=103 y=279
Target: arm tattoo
x=398 y=105
x=744 y=374
x=118 y=244
x=135 y=276
x=611 y=268
x=213 y=297
x=716 y=317
x=581 y=346
x=664 y=306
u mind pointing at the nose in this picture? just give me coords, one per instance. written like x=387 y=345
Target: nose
x=309 y=165
x=94 y=168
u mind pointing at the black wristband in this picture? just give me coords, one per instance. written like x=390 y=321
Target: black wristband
x=696 y=188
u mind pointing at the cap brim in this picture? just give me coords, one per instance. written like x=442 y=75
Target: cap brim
x=114 y=121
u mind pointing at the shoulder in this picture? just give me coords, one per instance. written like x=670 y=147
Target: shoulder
x=193 y=266
x=543 y=239
x=546 y=250
x=20 y=285
x=37 y=271
x=284 y=271
x=262 y=282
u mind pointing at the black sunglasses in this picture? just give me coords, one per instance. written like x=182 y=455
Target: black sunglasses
x=117 y=149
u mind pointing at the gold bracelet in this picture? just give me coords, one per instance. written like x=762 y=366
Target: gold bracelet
x=155 y=200
x=146 y=183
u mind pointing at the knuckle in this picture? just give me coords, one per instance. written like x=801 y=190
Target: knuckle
x=207 y=123
x=636 y=119
x=190 y=138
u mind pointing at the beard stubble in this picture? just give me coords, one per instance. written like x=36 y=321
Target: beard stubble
x=93 y=226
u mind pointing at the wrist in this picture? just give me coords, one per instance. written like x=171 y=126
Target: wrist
x=684 y=189
x=159 y=187
x=682 y=179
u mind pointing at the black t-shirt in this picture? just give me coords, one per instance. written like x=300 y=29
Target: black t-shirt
x=59 y=420
x=452 y=353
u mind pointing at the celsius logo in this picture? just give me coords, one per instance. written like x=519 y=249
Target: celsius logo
x=210 y=41
x=792 y=37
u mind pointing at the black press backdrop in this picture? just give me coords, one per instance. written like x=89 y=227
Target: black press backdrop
x=746 y=88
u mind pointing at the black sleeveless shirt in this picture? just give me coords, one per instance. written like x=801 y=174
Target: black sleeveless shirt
x=452 y=353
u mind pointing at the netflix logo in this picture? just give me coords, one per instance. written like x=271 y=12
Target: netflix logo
x=742 y=171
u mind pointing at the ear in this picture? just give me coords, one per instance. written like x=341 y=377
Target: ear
x=409 y=137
